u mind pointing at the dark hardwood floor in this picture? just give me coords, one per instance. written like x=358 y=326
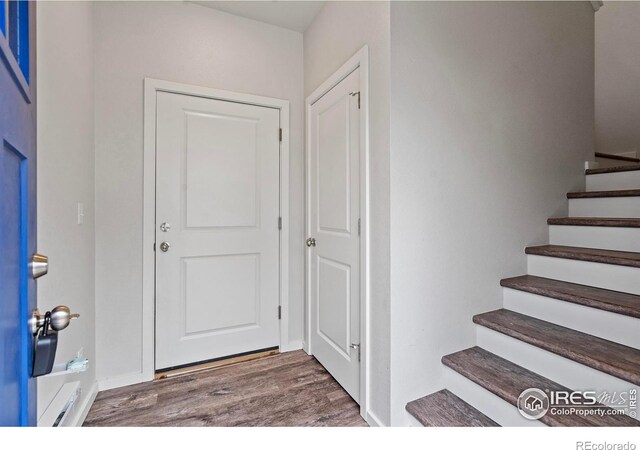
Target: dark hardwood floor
x=290 y=389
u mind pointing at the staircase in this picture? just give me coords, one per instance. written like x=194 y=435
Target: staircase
x=615 y=160
x=571 y=324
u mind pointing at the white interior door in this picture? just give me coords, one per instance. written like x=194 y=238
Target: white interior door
x=217 y=209
x=334 y=261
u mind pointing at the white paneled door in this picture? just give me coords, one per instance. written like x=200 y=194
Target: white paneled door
x=334 y=226
x=217 y=236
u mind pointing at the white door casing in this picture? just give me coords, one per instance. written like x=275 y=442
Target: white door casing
x=334 y=222
x=217 y=186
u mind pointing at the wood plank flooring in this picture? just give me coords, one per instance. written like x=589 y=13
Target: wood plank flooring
x=290 y=389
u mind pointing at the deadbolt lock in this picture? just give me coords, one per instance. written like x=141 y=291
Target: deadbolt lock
x=311 y=242
x=39 y=265
x=164 y=226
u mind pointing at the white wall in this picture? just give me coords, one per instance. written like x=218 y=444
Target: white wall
x=491 y=121
x=618 y=77
x=66 y=177
x=192 y=44
x=338 y=32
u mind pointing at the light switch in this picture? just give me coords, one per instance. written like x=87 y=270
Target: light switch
x=80 y=213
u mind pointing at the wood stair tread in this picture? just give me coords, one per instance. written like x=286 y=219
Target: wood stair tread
x=444 y=409
x=617 y=157
x=615 y=257
x=605 y=194
x=604 y=299
x=508 y=380
x=612 y=169
x=606 y=356
x=595 y=222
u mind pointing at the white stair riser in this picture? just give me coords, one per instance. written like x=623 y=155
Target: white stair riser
x=610 y=238
x=613 y=181
x=604 y=324
x=563 y=371
x=605 y=207
x=489 y=404
x=606 y=276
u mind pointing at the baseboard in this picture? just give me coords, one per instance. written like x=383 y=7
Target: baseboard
x=122 y=380
x=291 y=346
x=373 y=420
x=83 y=411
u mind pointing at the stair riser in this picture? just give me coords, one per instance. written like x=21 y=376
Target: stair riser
x=613 y=181
x=604 y=207
x=606 y=276
x=489 y=404
x=604 y=324
x=566 y=372
x=609 y=238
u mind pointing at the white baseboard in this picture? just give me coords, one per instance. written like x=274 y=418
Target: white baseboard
x=83 y=410
x=291 y=346
x=122 y=380
x=373 y=420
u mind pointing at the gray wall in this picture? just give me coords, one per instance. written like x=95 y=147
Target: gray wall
x=491 y=122
x=186 y=43
x=338 y=32
x=66 y=177
x=618 y=77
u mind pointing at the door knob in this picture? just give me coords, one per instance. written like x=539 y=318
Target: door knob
x=311 y=242
x=165 y=246
x=59 y=318
x=39 y=265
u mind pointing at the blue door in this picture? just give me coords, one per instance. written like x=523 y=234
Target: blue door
x=17 y=210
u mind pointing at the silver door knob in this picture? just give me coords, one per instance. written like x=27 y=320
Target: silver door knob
x=164 y=226
x=39 y=265
x=311 y=242
x=165 y=246
x=60 y=318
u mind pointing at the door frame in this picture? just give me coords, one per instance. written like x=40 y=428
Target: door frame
x=359 y=60
x=151 y=88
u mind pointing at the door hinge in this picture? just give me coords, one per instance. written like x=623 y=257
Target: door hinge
x=280 y=134
x=279 y=223
x=279 y=312
x=354 y=94
x=359 y=228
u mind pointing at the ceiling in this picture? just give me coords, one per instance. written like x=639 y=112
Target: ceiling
x=294 y=15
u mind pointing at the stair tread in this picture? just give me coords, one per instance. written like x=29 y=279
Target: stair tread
x=508 y=380
x=615 y=257
x=604 y=299
x=606 y=356
x=595 y=221
x=444 y=409
x=612 y=169
x=617 y=157
x=605 y=194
